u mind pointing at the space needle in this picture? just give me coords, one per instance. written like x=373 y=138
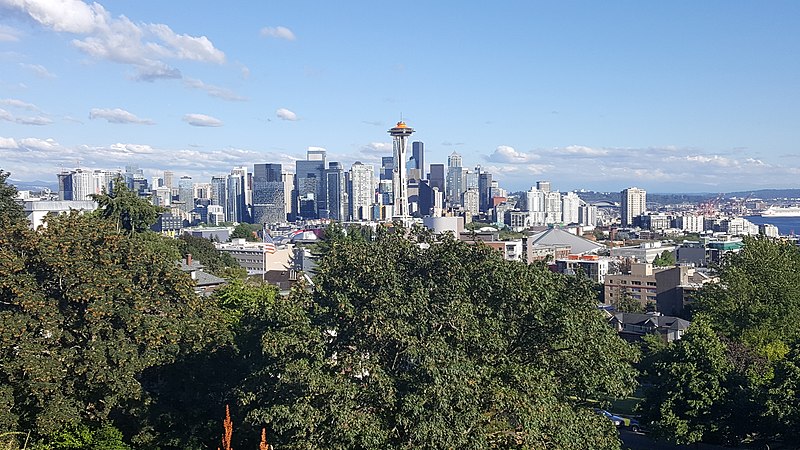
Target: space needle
x=400 y=134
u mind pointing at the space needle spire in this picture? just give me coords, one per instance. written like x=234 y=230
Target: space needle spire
x=400 y=134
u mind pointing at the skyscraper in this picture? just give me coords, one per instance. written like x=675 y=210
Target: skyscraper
x=570 y=205
x=418 y=156
x=400 y=134
x=309 y=184
x=387 y=167
x=362 y=191
x=168 y=175
x=335 y=192
x=236 y=193
x=437 y=177
x=632 y=204
x=186 y=193
x=484 y=185
x=455 y=179
x=268 y=194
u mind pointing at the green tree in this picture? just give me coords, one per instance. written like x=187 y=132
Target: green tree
x=406 y=343
x=10 y=210
x=84 y=310
x=751 y=317
x=248 y=231
x=665 y=259
x=685 y=402
x=125 y=209
x=216 y=262
x=626 y=303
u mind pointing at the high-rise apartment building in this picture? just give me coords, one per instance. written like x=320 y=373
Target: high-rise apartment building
x=633 y=204
x=269 y=201
x=570 y=205
x=362 y=191
x=79 y=184
x=186 y=194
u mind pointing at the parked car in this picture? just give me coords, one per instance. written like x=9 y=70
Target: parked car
x=618 y=420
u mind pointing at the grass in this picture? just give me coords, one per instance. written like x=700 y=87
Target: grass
x=627 y=406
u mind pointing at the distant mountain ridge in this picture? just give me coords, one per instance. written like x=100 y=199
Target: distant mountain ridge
x=37 y=185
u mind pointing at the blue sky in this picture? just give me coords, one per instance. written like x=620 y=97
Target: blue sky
x=669 y=96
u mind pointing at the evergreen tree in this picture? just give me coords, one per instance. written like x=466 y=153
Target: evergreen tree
x=10 y=210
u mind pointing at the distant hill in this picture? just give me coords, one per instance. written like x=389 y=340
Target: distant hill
x=766 y=194
x=35 y=186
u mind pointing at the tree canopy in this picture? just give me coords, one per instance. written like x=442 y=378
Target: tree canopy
x=428 y=342
x=734 y=377
x=84 y=310
x=10 y=210
x=122 y=206
x=665 y=259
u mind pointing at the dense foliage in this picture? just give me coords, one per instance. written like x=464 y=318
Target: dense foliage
x=10 y=210
x=125 y=209
x=84 y=310
x=735 y=377
x=435 y=344
x=216 y=262
x=665 y=259
x=248 y=231
x=403 y=341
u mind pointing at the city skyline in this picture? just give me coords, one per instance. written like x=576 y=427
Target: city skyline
x=670 y=98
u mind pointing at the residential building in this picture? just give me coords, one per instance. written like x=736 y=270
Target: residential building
x=639 y=284
x=592 y=267
x=633 y=326
x=633 y=204
x=570 y=207
x=362 y=191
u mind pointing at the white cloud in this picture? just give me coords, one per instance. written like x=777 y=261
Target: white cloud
x=214 y=91
x=581 y=150
x=8 y=34
x=285 y=114
x=202 y=120
x=278 y=32
x=117 y=115
x=5 y=115
x=72 y=16
x=183 y=46
x=38 y=69
x=509 y=155
x=8 y=143
x=383 y=148
x=38 y=144
x=142 y=46
x=37 y=120
x=16 y=103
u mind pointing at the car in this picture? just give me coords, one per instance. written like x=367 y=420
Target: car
x=617 y=420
